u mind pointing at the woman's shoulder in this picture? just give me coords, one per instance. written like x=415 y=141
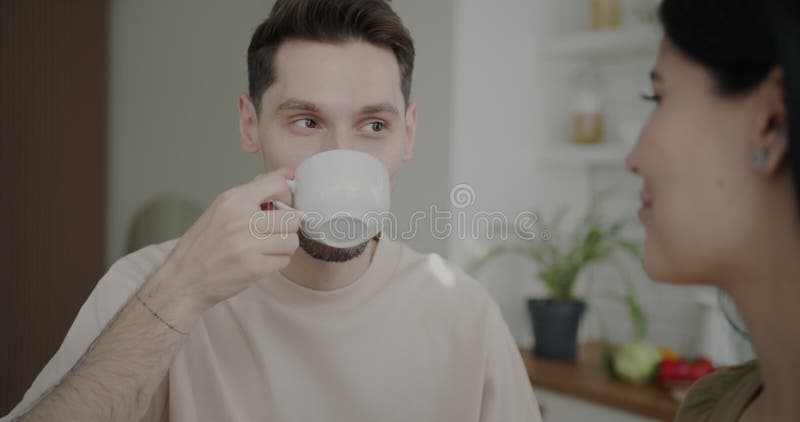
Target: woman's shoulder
x=723 y=395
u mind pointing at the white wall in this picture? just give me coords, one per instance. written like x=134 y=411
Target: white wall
x=501 y=114
x=423 y=181
x=176 y=69
x=510 y=99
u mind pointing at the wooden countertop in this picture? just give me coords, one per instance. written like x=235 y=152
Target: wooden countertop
x=586 y=379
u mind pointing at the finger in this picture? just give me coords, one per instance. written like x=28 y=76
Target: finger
x=286 y=245
x=276 y=262
x=286 y=172
x=265 y=223
x=268 y=187
x=274 y=244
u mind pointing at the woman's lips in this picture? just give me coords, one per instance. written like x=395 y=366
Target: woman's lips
x=647 y=206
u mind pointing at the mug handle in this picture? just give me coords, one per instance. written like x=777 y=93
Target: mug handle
x=282 y=205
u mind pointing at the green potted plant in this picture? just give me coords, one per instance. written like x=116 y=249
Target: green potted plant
x=560 y=259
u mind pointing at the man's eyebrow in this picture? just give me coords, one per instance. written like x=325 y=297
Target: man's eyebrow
x=655 y=76
x=380 y=108
x=297 y=105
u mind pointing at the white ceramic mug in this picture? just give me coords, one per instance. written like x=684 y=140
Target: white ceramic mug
x=342 y=197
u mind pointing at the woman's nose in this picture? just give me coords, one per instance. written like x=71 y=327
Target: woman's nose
x=632 y=168
x=630 y=162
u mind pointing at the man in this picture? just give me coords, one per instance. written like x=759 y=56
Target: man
x=221 y=325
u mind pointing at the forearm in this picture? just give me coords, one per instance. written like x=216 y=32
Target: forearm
x=117 y=377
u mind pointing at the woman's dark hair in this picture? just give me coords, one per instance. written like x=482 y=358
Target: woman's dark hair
x=740 y=42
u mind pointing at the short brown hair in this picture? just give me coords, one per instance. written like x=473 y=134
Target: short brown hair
x=333 y=21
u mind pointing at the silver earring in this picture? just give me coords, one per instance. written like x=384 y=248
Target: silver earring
x=760 y=157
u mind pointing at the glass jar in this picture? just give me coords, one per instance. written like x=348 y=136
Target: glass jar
x=588 y=124
x=588 y=121
x=604 y=14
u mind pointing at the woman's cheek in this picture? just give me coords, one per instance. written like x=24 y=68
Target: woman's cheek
x=655 y=262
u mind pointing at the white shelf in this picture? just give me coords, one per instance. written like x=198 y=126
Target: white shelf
x=608 y=43
x=601 y=154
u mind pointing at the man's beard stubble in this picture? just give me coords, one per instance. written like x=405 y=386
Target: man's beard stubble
x=327 y=253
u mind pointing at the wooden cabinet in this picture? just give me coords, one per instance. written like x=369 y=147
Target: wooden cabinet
x=53 y=119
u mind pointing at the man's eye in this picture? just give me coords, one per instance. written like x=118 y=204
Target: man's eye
x=306 y=123
x=375 y=126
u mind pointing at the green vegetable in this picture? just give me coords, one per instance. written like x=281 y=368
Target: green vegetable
x=637 y=362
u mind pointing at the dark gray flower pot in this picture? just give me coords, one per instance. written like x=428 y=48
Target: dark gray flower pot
x=555 y=327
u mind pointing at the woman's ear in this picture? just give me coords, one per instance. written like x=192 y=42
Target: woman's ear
x=778 y=151
x=772 y=148
x=248 y=124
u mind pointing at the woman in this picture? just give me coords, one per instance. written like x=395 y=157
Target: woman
x=720 y=162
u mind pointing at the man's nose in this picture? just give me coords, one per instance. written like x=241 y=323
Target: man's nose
x=339 y=139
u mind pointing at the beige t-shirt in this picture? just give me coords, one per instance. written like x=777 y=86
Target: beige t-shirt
x=413 y=339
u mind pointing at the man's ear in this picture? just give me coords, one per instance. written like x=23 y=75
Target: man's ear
x=248 y=124
x=773 y=139
x=411 y=130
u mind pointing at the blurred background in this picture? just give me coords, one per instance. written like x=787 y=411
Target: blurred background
x=119 y=127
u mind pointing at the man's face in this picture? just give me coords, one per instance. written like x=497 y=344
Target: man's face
x=333 y=96
x=330 y=96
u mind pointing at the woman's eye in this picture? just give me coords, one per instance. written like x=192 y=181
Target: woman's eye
x=653 y=98
x=306 y=123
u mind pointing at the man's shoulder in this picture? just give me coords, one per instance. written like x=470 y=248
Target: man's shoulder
x=442 y=279
x=128 y=273
x=149 y=258
x=440 y=288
